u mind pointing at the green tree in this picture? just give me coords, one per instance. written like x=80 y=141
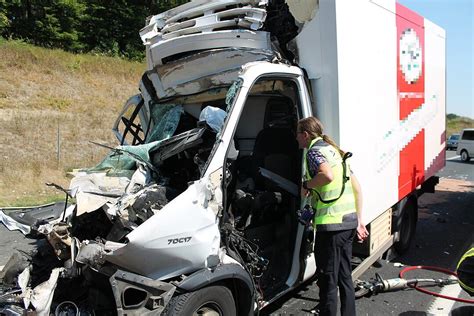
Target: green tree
x=4 y=22
x=59 y=23
x=112 y=27
x=102 y=26
x=49 y=23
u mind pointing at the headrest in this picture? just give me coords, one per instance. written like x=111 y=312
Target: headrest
x=279 y=112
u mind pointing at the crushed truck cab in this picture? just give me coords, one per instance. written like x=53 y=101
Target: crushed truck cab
x=196 y=210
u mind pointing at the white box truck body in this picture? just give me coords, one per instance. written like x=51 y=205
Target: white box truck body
x=388 y=108
x=197 y=211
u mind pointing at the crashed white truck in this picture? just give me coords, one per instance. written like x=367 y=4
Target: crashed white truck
x=196 y=212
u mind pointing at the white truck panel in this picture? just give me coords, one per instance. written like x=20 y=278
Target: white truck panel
x=173 y=241
x=435 y=96
x=317 y=52
x=366 y=41
x=350 y=50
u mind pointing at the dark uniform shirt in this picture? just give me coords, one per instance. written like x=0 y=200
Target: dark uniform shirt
x=315 y=158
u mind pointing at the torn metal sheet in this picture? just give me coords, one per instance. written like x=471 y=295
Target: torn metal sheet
x=121 y=205
x=41 y=296
x=94 y=190
x=245 y=17
x=23 y=279
x=185 y=223
x=140 y=178
x=92 y=254
x=187 y=77
x=14 y=225
x=162 y=49
x=219 y=60
x=142 y=204
x=191 y=10
x=203 y=84
x=200 y=8
x=23 y=218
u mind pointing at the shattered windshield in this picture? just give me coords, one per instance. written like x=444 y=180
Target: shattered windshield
x=182 y=130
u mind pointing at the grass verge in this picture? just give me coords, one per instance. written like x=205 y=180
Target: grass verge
x=52 y=104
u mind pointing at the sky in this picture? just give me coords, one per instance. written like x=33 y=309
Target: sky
x=456 y=17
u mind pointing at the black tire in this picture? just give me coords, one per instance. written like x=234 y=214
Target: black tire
x=407 y=227
x=465 y=156
x=212 y=300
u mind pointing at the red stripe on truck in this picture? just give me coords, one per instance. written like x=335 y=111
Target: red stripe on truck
x=411 y=92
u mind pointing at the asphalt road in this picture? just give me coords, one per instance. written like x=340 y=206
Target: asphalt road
x=444 y=232
x=10 y=241
x=456 y=169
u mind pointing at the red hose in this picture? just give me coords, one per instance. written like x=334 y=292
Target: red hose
x=437 y=269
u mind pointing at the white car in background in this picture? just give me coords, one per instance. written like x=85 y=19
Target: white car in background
x=466 y=144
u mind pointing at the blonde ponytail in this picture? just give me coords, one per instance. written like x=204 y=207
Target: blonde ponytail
x=314 y=128
x=328 y=140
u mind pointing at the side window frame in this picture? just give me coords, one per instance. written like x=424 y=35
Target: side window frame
x=136 y=124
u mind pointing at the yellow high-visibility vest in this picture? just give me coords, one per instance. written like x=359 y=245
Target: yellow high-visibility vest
x=465 y=271
x=340 y=214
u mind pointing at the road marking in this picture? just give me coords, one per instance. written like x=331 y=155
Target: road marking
x=454 y=158
x=442 y=306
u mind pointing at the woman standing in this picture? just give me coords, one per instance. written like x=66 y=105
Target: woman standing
x=338 y=204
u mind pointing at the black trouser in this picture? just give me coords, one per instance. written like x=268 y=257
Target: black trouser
x=333 y=252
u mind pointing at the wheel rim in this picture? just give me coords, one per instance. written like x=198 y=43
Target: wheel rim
x=208 y=309
x=464 y=155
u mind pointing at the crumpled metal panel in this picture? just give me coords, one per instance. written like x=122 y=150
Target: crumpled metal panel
x=247 y=18
x=41 y=296
x=91 y=253
x=94 y=190
x=11 y=224
x=23 y=218
x=187 y=76
x=190 y=10
x=204 y=25
x=159 y=49
x=202 y=84
x=178 y=239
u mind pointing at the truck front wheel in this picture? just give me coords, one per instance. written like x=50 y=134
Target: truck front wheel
x=211 y=301
x=407 y=227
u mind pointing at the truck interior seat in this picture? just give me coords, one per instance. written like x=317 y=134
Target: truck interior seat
x=276 y=148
